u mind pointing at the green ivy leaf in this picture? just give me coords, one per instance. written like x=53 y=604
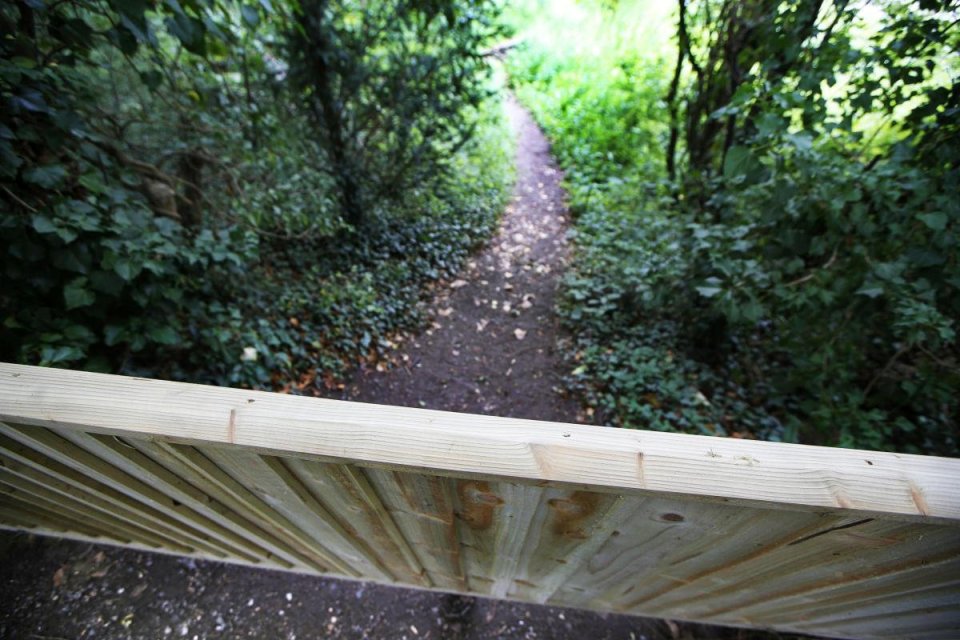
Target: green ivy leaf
x=53 y=355
x=936 y=220
x=127 y=269
x=740 y=161
x=164 y=335
x=47 y=177
x=871 y=291
x=43 y=224
x=113 y=335
x=708 y=292
x=76 y=294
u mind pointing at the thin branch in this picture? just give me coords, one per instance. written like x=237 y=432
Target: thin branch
x=896 y=356
x=17 y=198
x=829 y=263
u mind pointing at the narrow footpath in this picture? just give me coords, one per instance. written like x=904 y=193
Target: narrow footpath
x=491 y=346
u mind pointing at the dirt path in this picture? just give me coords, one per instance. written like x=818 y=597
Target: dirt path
x=491 y=347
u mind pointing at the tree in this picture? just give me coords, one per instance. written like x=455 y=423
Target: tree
x=818 y=175
x=391 y=87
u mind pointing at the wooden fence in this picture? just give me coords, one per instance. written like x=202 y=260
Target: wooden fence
x=837 y=542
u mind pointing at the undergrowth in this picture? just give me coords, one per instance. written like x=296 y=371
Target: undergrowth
x=703 y=306
x=308 y=310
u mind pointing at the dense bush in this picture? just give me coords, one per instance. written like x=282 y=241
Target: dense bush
x=393 y=88
x=168 y=206
x=797 y=279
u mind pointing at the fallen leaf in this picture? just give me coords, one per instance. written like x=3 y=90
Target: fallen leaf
x=520 y=334
x=482 y=324
x=456 y=284
x=58 y=577
x=445 y=312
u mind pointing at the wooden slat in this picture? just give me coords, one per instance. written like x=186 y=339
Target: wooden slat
x=354 y=503
x=840 y=543
x=284 y=499
x=47 y=491
x=422 y=506
x=773 y=474
x=179 y=506
x=100 y=494
x=496 y=521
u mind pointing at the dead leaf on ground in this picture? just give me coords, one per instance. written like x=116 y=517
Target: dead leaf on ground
x=482 y=324
x=520 y=334
x=445 y=312
x=456 y=284
x=58 y=577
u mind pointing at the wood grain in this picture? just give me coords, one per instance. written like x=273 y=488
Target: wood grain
x=837 y=542
x=792 y=476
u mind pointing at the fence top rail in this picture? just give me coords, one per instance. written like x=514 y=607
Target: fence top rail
x=777 y=475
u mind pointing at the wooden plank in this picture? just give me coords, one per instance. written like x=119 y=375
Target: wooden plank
x=241 y=505
x=111 y=499
x=271 y=487
x=35 y=512
x=823 y=616
x=352 y=500
x=199 y=488
x=901 y=586
x=57 y=531
x=841 y=556
x=569 y=529
x=749 y=534
x=748 y=472
x=190 y=508
x=423 y=508
x=496 y=519
x=668 y=546
x=51 y=492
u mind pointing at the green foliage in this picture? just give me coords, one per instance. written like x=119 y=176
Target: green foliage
x=167 y=208
x=801 y=273
x=91 y=273
x=392 y=88
x=315 y=306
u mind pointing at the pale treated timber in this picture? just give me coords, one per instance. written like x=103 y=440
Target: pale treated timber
x=115 y=501
x=177 y=505
x=769 y=474
x=747 y=534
